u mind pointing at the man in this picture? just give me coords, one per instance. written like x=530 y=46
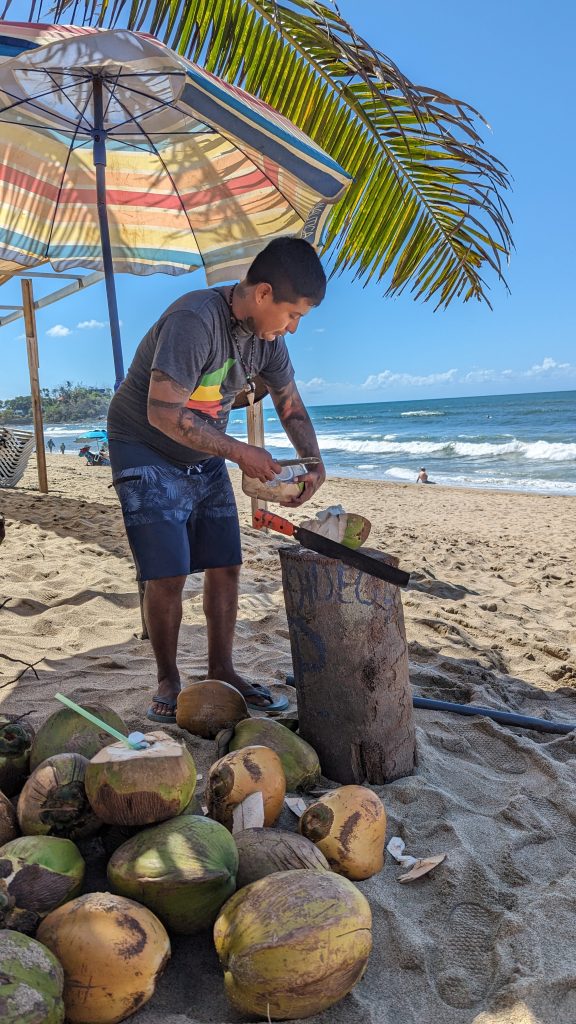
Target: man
x=167 y=444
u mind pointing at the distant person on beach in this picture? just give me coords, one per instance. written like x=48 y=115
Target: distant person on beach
x=62 y=448
x=422 y=477
x=168 y=445
x=51 y=446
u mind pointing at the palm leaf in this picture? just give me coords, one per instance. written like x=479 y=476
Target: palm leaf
x=426 y=210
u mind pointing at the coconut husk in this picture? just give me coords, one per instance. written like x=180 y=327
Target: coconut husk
x=38 y=873
x=130 y=787
x=26 y=966
x=8 y=820
x=53 y=801
x=16 y=737
x=65 y=731
x=207 y=707
x=264 y=851
x=293 y=943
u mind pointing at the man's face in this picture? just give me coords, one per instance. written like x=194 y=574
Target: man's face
x=269 y=319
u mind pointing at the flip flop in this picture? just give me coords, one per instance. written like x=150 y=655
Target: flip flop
x=280 y=704
x=163 y=719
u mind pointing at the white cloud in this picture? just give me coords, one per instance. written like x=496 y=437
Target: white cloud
x=58 y=331
x=546 y=366
x=315 y=384
x=386 y=378
x=319 y=330
x=90 y=324
x=20 y=337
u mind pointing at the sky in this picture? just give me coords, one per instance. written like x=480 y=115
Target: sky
x=514 y=63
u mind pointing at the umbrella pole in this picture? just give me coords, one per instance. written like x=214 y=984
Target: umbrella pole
x=99 y=157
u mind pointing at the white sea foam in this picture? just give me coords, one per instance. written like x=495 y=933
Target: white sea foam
x=544 y=451
x=423 y=412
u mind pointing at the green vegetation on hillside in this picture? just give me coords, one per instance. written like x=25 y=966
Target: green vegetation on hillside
x=69 y=403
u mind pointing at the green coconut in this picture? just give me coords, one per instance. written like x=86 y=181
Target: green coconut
x=37 y=874
x=65 y=731
x=299 y=760
x=53 y=801
x=16 y=737
x=8 y=820
x=129 y=787
x=263 y=851
x=31 y=982
x=183 y=870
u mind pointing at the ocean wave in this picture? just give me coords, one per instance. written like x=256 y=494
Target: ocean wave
x=544 y=451
x=423 y=412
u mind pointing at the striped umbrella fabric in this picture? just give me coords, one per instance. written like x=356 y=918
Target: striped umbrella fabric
x=198 y=172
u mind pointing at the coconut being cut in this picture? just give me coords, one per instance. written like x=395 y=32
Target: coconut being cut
x=336 y=524
x=128 y=786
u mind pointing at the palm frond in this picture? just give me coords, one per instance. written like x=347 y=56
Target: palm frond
x=426 y=210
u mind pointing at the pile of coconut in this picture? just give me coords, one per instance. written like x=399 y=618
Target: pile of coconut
x=292 y=931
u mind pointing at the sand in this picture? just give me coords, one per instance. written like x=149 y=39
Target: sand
x=489 y=938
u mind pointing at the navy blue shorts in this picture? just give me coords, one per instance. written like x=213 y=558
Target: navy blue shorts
x=178 y=520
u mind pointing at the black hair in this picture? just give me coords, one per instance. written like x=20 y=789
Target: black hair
x=292 y=269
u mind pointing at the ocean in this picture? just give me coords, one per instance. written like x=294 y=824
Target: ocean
x=505 y=442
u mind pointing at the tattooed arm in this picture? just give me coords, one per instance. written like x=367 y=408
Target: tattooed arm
x=168 y=413
x=298 y=425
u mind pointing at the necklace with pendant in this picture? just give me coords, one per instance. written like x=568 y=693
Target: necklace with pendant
x=250 y=387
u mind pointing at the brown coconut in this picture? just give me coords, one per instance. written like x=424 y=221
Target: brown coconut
x=8 y=820
x=205 y=708
x=16 y=737
x=240 y=773
x=53 y=801
x=349 y=826
x=263 y=851
x=139 y=787
x=112 y=950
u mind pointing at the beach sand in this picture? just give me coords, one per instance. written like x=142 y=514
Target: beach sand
x=490 y=936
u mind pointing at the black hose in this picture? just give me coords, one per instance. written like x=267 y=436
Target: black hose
x=505 y=717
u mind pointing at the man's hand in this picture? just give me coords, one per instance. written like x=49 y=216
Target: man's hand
x=256 y=462
x=312 y=481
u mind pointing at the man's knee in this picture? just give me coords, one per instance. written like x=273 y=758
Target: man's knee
x=224 y=572
x=169 y=586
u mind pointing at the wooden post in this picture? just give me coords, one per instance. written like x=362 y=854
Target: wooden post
x=350 y=667
x=32 y=350
x=255 y=432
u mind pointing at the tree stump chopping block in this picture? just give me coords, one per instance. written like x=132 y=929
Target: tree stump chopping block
x=350 y=667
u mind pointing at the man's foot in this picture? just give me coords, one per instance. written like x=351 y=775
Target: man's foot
x=257 y=696
x=163 y=706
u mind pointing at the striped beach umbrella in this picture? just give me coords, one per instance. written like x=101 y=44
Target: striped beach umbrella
x=117 y=154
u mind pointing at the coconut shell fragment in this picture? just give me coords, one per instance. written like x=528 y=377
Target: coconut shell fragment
x=293 y=943
x=349 y=827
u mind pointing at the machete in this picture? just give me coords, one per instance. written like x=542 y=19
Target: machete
x=324 y=546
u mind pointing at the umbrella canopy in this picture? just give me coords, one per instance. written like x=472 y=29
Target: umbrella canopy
x=92 y=435
x=116 y=151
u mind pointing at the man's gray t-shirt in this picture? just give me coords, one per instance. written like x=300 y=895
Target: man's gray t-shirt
x=193 y=343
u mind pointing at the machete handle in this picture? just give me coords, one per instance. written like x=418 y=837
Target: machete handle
x=268 y=521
